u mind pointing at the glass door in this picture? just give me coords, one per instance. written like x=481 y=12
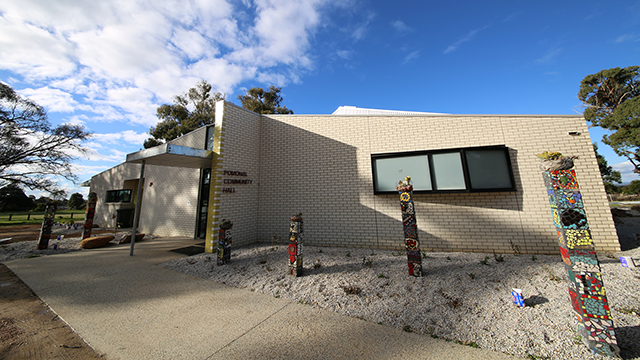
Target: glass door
x=203 y=207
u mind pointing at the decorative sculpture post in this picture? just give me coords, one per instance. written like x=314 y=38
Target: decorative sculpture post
x=88 y=216
x=224 y=242
x=47 y=224
x=295 y=247
x=410 y=227
x=586 y=289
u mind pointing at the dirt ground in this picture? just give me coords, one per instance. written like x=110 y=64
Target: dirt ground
x=30 y=330
x=28 y=327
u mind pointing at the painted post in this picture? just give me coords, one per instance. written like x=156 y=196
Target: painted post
x=412 y=245
x=296 y=229
x=45 y=230
x=586 y=289
x=224 y=242
x=88 y=216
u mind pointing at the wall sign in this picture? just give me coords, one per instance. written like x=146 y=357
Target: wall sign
x=231 y=181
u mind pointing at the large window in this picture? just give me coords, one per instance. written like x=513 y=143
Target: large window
x=114 y=196
x=475 y=169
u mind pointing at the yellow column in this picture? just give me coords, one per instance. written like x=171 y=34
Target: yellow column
x=215 y=189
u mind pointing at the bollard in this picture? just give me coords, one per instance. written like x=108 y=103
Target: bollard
x=585 y=285
x=47 y=224
x=412 y=244
x=295 y=246
x=224 y=242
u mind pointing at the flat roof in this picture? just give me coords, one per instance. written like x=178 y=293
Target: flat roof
x=173 y=155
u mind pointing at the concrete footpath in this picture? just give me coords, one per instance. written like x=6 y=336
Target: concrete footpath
x=127 y=307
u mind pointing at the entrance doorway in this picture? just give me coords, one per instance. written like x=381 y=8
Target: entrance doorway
x=203 y=206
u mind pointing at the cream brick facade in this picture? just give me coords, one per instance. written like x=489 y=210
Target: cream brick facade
x=320 y=165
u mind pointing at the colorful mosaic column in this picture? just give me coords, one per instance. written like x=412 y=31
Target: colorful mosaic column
x=224 y=242
x=586 y=289
x=410 y=231
x=88 y=216
x=47 y=224
x=295 y=247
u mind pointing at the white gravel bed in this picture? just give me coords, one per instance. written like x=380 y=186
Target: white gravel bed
x=459 y=298
x=27 y=249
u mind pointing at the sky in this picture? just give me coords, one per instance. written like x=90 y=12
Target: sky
x=109 y=64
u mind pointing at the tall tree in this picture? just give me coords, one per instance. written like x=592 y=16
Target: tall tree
x=609 y=176
x=612 y=101
x=31 y=150
x=76 y=202
x=264 y=101
x=189 y=111
x=13 y=198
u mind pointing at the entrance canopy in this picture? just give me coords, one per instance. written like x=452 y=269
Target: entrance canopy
x=173 y=155
x=165 y=155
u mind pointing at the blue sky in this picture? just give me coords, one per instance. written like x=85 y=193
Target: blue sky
x=109 y=64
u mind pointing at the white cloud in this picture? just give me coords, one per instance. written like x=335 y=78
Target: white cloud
x=122 y=58
x=401 y=27
x=114 y=156
x=468 y=37
x=511 y=16
x=345 y=54
x=128 y=136
x=628 y=37
x=626 y=170
x=54 y=100
x=115 y=61
x=549 y=56
x=362 y=28
x=31 y=51
x=412 y=55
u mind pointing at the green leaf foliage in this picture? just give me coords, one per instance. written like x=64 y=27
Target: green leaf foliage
x=13 y=198
x=189 y=111
x=76 y=202
x=609 y=176
x=612 y=101
x=262 y=101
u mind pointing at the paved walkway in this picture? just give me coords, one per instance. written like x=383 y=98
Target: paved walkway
x=126 y=307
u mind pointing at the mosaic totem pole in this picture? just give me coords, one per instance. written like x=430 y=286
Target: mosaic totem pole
x=224 y=242
x=88 y=216
x=586 y=289
x=295 y=247
x=47 y=224
x=410 y=227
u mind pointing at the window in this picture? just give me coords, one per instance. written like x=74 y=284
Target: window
x=389 y=170
x=211 y=131
x=475 y=169
x=114 y=196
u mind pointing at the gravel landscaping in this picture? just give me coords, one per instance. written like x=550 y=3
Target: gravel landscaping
x=463 y=297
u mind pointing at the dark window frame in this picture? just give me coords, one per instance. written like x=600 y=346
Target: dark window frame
x=465 y=169
x=115 y=196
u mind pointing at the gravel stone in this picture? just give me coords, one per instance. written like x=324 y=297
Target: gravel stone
x=458 y=298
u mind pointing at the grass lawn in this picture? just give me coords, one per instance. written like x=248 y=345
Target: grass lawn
x=27 y=218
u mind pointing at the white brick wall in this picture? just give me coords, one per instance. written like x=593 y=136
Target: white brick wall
x=238 y=148
x=320 y=165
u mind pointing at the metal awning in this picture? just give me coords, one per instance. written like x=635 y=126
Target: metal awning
x=165 y=155
x=173 y=155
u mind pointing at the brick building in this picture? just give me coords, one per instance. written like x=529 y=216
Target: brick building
x=259 y=170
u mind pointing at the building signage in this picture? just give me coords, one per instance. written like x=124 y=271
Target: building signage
x=234 y=181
